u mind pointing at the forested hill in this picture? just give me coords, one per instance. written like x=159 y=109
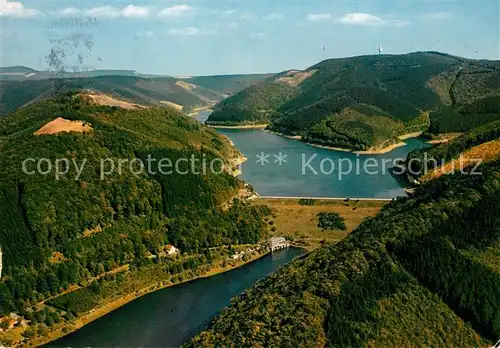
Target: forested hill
x=424 y=272
x=228 y=84
x=17 y=90
x=145 y=91
x=60 y=231
x=367 y=101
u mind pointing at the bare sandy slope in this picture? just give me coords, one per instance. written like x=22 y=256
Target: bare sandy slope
x=483 y=153
x=245 y=126
x=173 y=105
x=444 y=138
x=380 y=151
x=185 y=85
x=295 y=78
x=61 y=125
x=103 y=99
x=409 y=135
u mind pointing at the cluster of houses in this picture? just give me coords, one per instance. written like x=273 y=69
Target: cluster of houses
x=170 y=249
x=12 y=321
x=239 y=256
x=167 y=250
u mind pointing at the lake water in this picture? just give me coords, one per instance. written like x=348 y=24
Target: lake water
x=171 y=316
x=314 y=172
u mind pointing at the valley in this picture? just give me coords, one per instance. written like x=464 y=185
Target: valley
x=370 y=179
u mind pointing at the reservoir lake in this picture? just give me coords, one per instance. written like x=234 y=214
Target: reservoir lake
x=311 y=171
x=275 y=166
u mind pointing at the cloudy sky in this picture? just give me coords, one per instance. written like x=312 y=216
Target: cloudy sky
x=213 y=37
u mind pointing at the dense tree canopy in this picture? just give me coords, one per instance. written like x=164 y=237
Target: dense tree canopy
x=58 y=232
x=419 y=273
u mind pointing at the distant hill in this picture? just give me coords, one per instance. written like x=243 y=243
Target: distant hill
x=22 y=73
x=332 y=103
x=253 y=105
x=146 y=91
x=228 y=84
x=16 y=69
x=424 y=272
x=21 y=85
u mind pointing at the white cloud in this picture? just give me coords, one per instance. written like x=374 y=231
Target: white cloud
x=69 y=12
x=189 y=31
x=16 y=9
x=131 y=11
x=228 y=12
x=273 y=16
x=103 y=11
x=176 y=11
x=233 y=24
x=145 y=35
x=361 y=19
x=437 y=15
x=135 y=11
x=257 y=35
x=369 y=19
x=319 y=17
x=398 y=23
x=247 y=16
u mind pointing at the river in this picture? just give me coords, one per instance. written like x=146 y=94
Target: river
x=311 y=171
x=171 y=316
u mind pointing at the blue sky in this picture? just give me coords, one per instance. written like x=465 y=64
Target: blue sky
x=189 y=38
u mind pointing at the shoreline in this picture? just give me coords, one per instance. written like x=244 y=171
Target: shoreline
x=247 y=126
x=326 y=198
x=296 y=137
x=382 y=150
x=107 y=308
x=437 y=141
x=410 y=135
x=373 y=151
x=197 y=110
x=326 y=147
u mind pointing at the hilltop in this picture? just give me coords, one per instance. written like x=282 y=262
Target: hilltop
x=228 y=84
x=366 y=102
x=423 y=272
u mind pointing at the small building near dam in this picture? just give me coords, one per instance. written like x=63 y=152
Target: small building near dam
x=277 y=243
